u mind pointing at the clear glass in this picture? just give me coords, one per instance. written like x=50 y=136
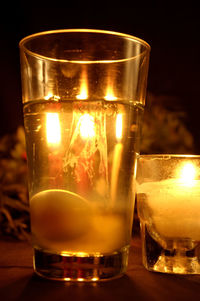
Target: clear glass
x=168 y=197
x=83 y=98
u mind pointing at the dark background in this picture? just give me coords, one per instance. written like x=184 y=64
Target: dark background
x=171 y=28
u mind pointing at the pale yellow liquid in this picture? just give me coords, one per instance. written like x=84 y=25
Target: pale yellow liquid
x=80 y=181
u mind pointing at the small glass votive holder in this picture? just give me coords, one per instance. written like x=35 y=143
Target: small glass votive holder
x=168 y=200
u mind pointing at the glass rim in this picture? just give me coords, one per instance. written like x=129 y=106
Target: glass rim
x=168 y=156
x=77 y=30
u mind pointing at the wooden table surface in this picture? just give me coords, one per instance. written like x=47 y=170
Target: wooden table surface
x=18 y=282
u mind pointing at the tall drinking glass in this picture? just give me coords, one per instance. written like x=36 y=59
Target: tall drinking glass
x=83 y=98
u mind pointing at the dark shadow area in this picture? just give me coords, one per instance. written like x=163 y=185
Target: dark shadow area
x=172 y=30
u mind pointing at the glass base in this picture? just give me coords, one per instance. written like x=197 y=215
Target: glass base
x=84 y=268
x=178 y=264
x=176 y=260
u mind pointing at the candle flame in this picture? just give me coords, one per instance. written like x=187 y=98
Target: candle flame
x=80 y=279
x=119 y=126
x=187 y=174
x=109 y=94
x=53 y=131
x=87 y=126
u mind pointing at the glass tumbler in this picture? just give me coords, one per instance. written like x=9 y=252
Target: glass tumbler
x=83 y=96
x=168 y=198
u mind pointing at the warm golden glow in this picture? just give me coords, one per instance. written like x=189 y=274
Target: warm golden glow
x=109 y=94
x=117 y=156
x=95 y=279
x=48 y=96
x=53 y=130
x=187 y=173
x=81 y=254
x=80 y=279
x=51 y=96
x=67 y=279
x=119 y=126
x=87 y=126
x=83 y=87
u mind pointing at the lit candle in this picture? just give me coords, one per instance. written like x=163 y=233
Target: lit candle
x=116 y=158
x=173 y=205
